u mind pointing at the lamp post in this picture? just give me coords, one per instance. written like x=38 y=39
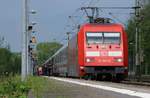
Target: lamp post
x=132 y=66
x=24 y=44
x=26 y=60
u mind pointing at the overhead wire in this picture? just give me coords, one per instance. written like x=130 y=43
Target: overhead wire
x=111 y=14
x=78 y=18
x=90 y=3
x=93 y=3
x=72 y=16
x=83 y=3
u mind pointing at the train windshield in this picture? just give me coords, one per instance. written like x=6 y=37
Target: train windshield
x=111 y=38
x=103 y=38
x=94 y=38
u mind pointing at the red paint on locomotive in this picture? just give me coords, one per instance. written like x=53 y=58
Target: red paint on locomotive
x=102 y=54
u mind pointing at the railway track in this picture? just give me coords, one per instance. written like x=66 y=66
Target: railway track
x=144 y=81
x=136 y=83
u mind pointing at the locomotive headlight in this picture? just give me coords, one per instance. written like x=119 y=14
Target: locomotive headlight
x=119 y=60
x=88 y=60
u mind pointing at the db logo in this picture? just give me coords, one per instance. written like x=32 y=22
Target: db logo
x=104 y=53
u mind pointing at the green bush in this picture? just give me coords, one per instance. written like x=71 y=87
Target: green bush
x=13 y=87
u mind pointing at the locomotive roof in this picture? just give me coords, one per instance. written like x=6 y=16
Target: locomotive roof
x=102 y=24
x=93 y=26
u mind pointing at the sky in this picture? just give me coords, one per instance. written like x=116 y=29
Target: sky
x=52 y=18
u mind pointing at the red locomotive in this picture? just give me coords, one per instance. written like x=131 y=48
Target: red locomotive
x=96 y=51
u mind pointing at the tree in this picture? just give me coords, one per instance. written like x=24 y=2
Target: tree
x=5 y=60
x=144 y=25
x=46 y=50
x=9 y=62
x=16 y=63
x=3 y=43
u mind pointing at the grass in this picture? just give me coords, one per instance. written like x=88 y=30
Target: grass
x=13 y=87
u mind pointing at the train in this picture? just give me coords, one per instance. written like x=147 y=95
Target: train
x=96 y=51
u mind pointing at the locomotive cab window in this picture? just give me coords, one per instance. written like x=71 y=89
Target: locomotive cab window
x=103 y=38
x=111 y=38
x=94 y=38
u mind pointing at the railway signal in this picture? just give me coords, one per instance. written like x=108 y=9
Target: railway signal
x=33 y=56
x=30 y=27
x=30 y=49
x=33 y=40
